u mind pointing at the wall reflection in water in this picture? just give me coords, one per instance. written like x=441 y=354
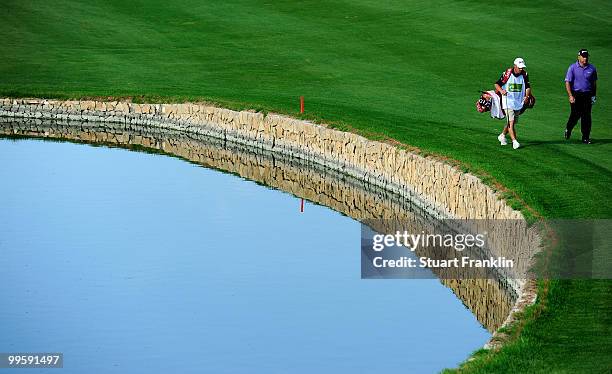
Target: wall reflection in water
x=490 y=300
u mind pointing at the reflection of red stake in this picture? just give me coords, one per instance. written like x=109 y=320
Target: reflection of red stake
x=302 y=206
x=301 y=104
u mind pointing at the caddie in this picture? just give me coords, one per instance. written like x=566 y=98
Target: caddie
x=515 y=89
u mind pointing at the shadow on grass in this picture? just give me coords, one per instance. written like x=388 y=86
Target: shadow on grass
x=595 y=142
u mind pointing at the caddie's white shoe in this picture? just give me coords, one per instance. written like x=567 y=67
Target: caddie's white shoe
x=515 y=144
x=502 y=139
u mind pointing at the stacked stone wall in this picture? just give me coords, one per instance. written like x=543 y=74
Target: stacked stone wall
x=442 y=189
x=439 y=189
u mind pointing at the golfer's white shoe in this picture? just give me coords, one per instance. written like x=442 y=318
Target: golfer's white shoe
x=515 y=144
x=502 y=139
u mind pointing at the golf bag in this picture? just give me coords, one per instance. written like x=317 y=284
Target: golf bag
x=490 y=101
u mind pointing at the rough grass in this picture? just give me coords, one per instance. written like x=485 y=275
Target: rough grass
x=403 y=70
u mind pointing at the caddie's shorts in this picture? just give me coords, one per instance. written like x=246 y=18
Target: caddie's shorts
x=513 y=115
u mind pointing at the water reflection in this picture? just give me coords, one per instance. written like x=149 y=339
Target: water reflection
x=490 y=300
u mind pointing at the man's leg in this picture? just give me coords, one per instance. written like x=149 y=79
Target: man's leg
x=573 y=118
x=585 y=120
x=502 y=136
x=513 y=120
x=512 y=129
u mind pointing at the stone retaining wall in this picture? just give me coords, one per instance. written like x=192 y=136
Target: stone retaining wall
x=437 y=188
x=443 y=190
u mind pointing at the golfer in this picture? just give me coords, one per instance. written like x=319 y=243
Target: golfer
x=581 y=87
x=515 y=89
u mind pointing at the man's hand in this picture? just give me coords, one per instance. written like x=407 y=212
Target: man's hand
x=593 y=99
x=572 y=99
x=503 y=92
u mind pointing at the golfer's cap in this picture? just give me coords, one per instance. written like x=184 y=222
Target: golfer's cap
x=583 y=53
x=520 y=63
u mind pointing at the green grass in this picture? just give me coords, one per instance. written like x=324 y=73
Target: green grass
x=408 y=70
x=565 y=337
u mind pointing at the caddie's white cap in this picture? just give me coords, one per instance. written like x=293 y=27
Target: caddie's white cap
x=520 y=63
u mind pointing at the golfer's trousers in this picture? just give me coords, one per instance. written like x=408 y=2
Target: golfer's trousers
x=581 y=109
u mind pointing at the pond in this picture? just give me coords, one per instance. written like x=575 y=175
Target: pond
x=138 y=262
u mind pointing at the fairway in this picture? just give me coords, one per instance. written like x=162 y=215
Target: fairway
x=410 y=71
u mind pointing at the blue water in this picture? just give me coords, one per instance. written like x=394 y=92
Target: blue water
x=141 y=263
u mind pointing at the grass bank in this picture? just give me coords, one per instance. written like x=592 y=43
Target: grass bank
x=405 y=70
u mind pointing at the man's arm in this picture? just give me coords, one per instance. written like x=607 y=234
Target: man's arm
x=568 y=88
x=501 y=81
x=527 y=94
x=527 y=87
x=499 y=89
x=569 y=78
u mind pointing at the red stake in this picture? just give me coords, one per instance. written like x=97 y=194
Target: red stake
x=301 y=104
x=302 y=206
